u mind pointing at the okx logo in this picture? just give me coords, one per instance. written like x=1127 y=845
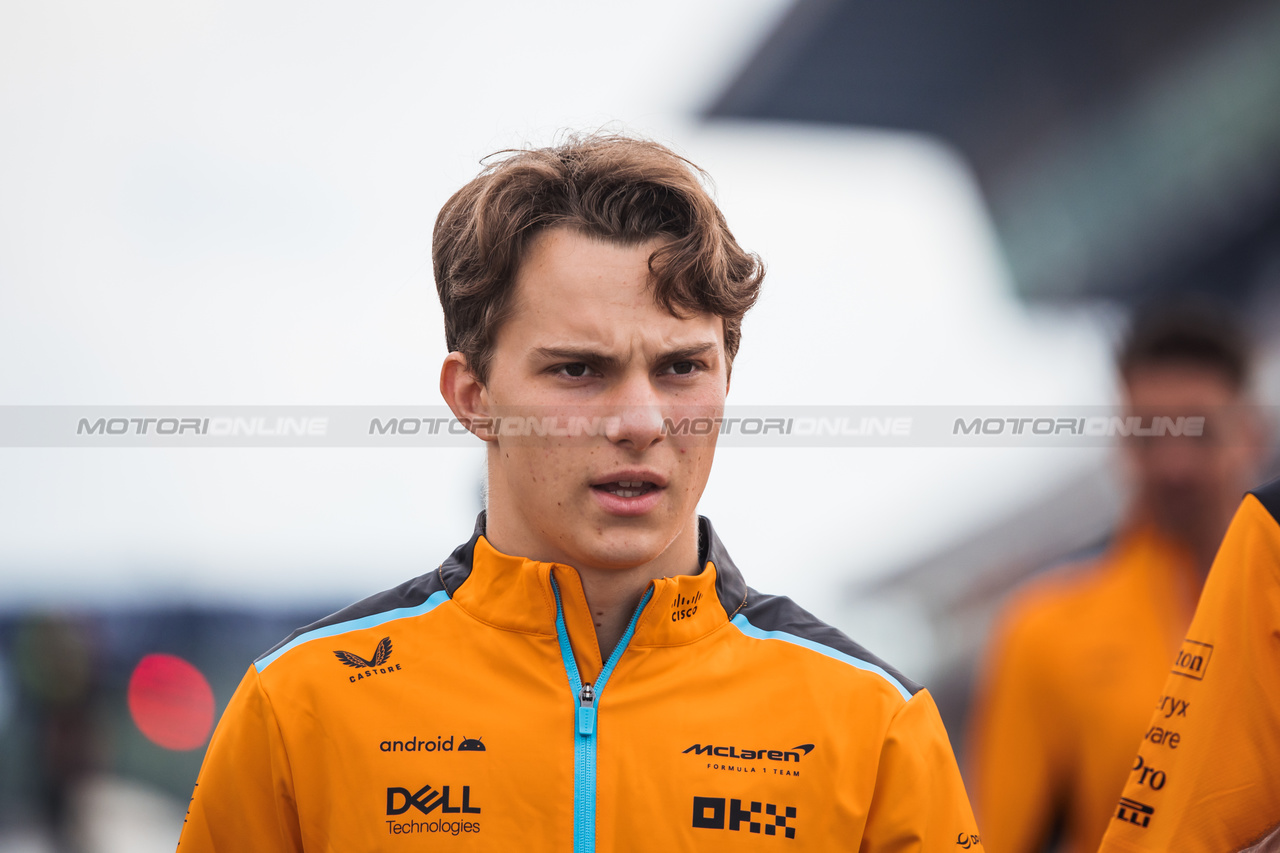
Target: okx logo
x=376 y=666
x=427 y=800
x=711 y=813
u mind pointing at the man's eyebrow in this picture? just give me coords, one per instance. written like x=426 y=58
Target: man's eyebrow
x=690 y=351
x=600 y=359
x=572 y=354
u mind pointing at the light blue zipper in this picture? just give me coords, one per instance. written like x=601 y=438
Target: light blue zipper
x=586 y=697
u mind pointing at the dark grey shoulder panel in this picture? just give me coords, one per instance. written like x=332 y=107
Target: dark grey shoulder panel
x=457 y=568
x=731 y=589
x=448 y=577
x=1269 y=497
x=408 y=594
x=779 y=613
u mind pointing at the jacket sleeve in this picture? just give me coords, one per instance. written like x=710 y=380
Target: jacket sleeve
x=919 y=802
x=244 y=796
x=1015 y=770
x=1205 y=776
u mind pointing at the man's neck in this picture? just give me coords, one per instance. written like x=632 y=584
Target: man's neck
x=613 y=597
x=613 y=594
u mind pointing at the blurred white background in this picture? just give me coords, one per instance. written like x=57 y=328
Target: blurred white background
x=231 y=204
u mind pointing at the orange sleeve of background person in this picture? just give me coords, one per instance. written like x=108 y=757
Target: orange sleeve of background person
x=246 y=756
x=1209 y=778
x=1015 y=769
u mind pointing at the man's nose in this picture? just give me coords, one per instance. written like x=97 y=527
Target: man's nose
x=636 y=419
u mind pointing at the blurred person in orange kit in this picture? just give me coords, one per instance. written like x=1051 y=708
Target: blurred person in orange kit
x=1217 y=788
x=1077 y=658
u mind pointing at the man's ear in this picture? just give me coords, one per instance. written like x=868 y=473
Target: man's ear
x=466 y=396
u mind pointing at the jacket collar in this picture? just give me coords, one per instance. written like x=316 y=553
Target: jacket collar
x=515 y=594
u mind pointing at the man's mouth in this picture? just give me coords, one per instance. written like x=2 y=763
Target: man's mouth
x=626 y=488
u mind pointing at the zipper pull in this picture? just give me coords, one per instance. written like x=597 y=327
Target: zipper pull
x=586 y=711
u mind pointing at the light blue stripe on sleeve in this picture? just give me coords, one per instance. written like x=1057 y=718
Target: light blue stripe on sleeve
x=752 y=631
x=436 y=599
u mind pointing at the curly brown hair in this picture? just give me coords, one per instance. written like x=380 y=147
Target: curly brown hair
x=613 y=187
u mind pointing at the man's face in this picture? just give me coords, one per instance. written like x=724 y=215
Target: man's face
x=1191 y=486
x=585 y=339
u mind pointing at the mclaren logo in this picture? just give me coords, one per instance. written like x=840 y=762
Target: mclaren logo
x=368 y=668
x=738 y=759
x=792 y=754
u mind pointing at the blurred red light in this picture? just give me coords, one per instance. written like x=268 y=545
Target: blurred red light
x=171 y=702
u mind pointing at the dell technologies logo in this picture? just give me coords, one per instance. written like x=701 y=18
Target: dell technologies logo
x=426 y=800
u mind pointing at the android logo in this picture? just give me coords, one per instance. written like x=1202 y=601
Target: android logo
x=470 y=745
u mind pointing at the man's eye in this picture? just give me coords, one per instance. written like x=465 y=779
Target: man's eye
x=683 y=368
x=575 y=370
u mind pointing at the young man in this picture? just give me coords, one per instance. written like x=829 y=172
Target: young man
x=1078 y=658
x=589 y=670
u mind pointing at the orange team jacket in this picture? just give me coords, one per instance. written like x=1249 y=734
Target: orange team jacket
x=469 y=709
x=1066 y=690
x=1207 y=774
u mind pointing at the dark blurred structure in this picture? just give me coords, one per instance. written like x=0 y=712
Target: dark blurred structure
x=54 y=661
x=66 y=729
x=1125 y=149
